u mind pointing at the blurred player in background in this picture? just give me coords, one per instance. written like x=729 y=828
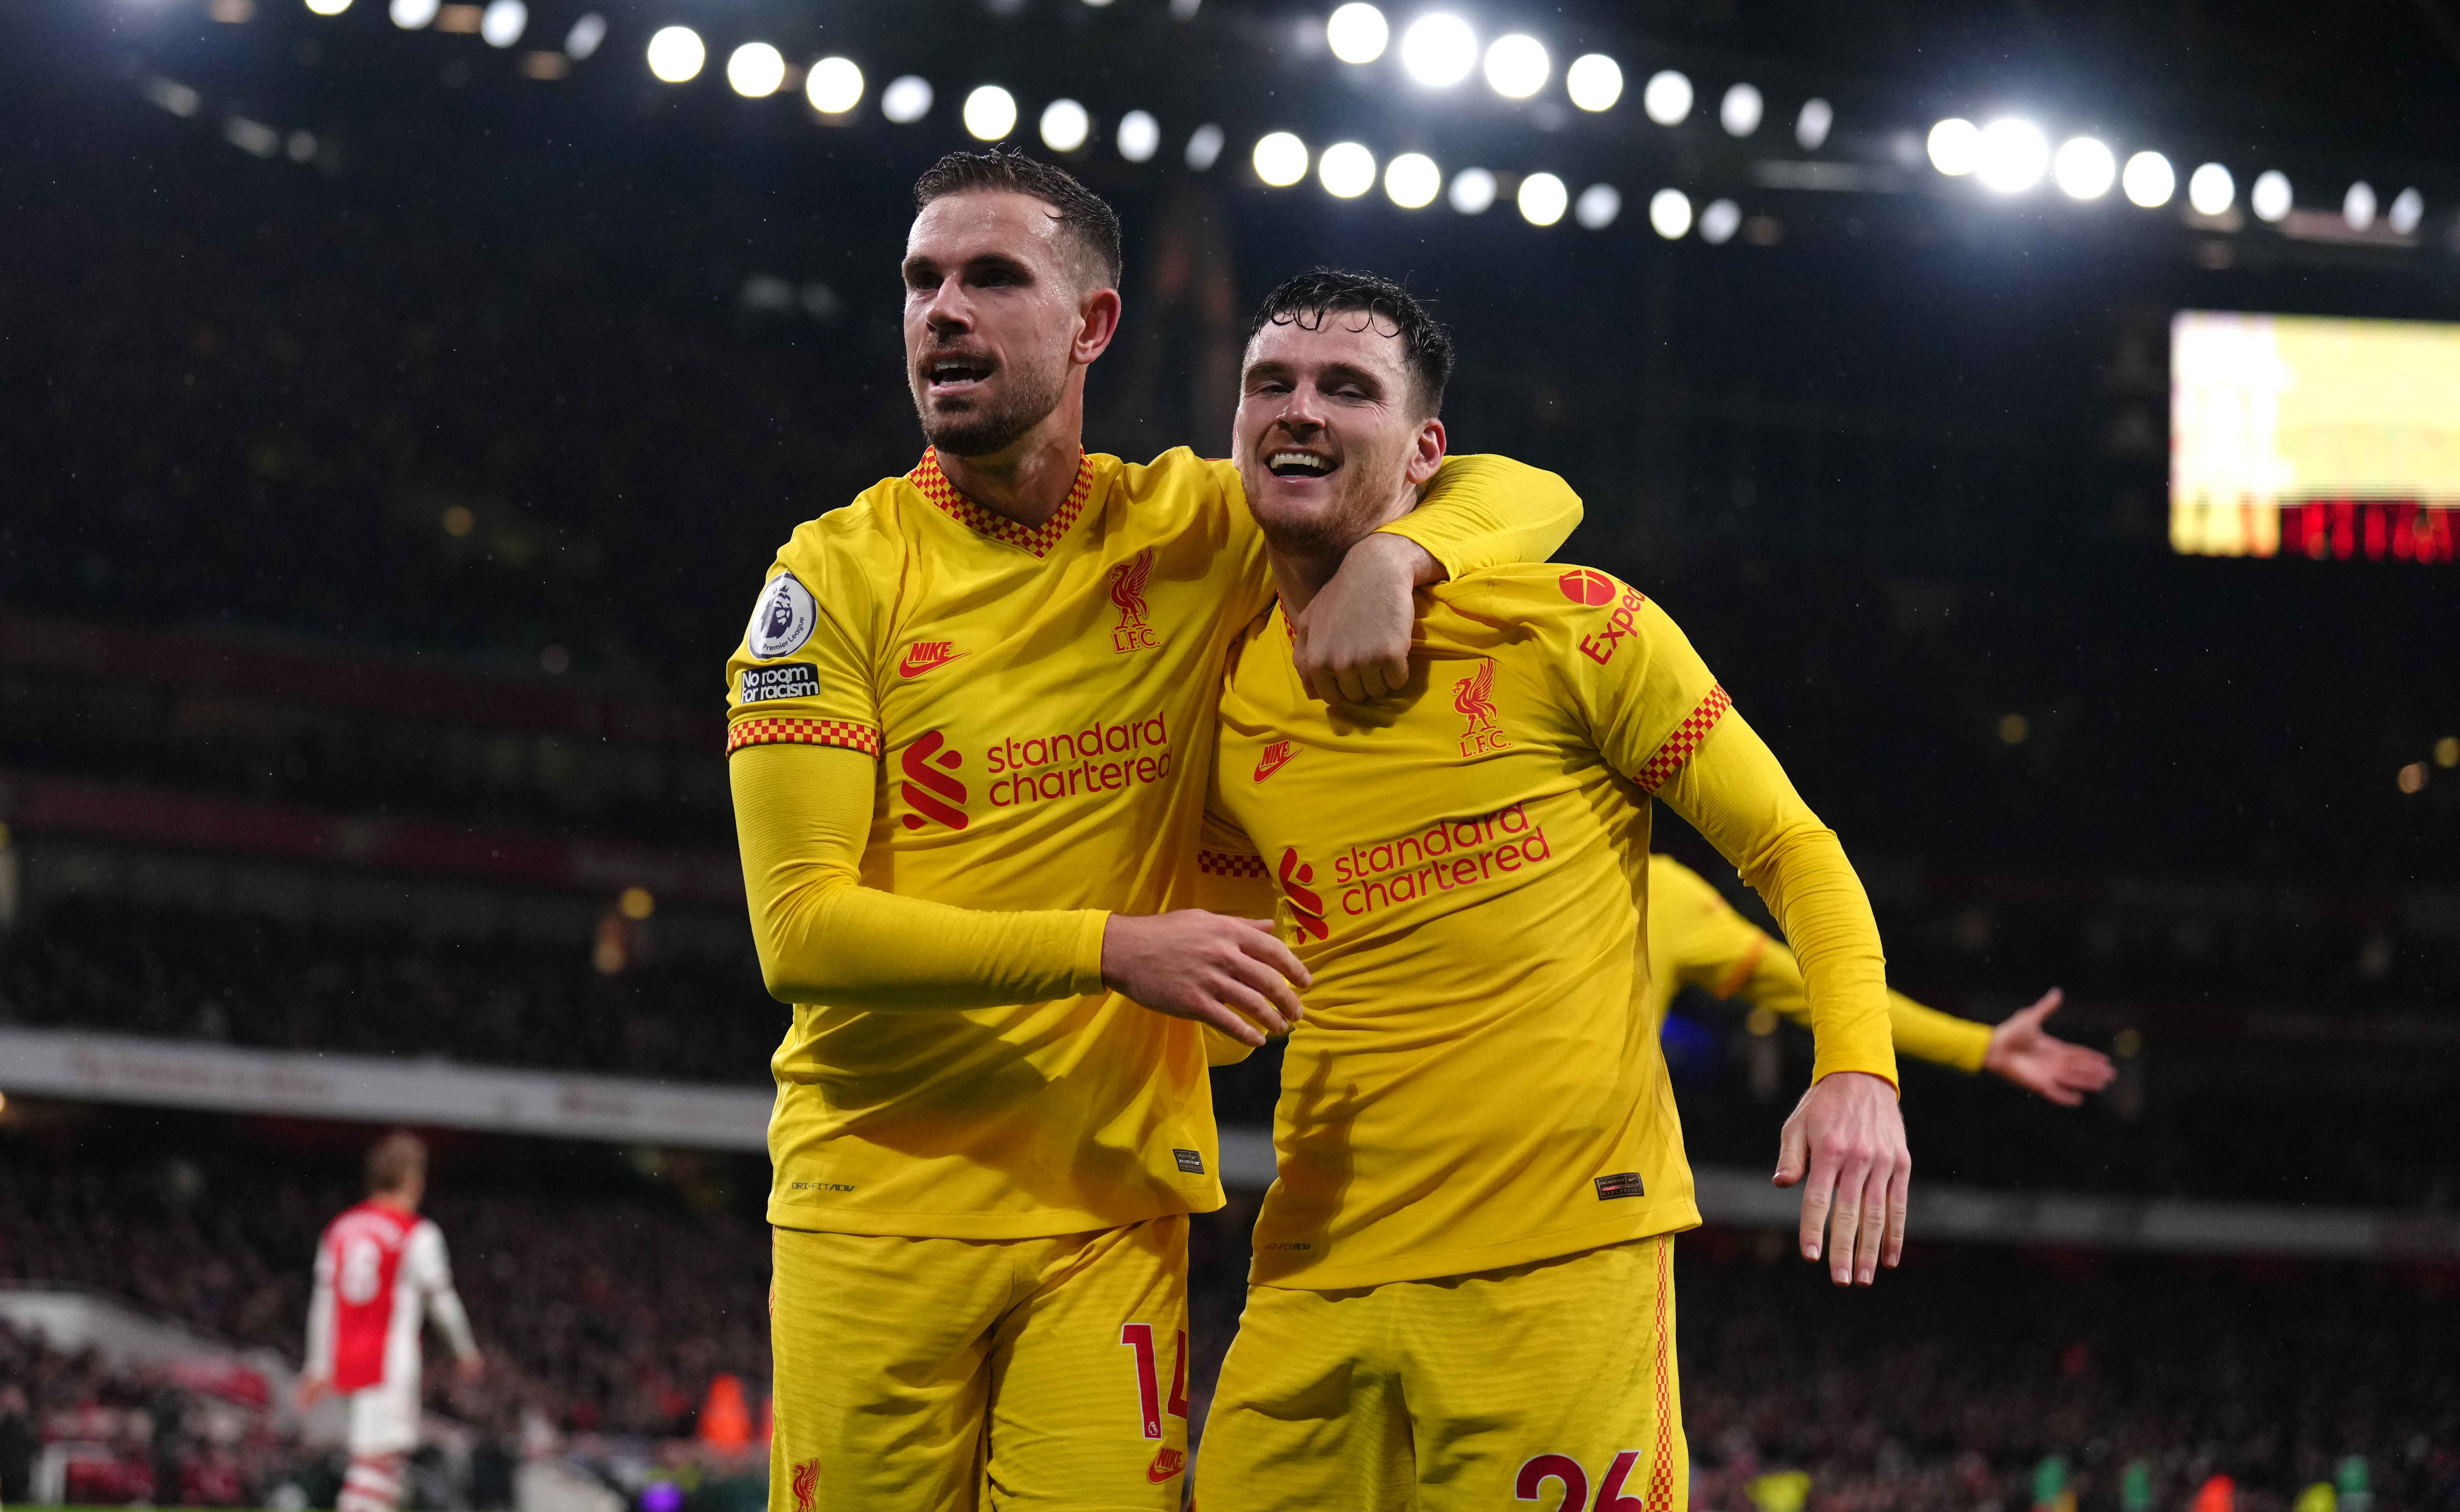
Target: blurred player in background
x=1697 y=939
x=1462 y=1285
x=379 y=1269
x=970 y=716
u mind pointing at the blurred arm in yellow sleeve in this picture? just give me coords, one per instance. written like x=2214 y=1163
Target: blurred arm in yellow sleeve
x=803 y=813
x=1706 y=944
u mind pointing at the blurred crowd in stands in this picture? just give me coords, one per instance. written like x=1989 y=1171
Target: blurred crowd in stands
x=247 y=979
x=609 y=1300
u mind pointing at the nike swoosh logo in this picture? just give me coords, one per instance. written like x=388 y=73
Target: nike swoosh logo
x=915 y=666
x=1276 y=756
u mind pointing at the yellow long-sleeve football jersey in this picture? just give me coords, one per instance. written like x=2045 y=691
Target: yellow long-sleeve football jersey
x=1041 y=702
x=1463 y=868
x=1697 y=939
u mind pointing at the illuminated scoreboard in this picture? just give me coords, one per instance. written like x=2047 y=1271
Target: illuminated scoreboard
x=2314 y=436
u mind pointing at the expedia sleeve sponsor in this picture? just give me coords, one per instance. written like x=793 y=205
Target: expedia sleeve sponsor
x=791 y=680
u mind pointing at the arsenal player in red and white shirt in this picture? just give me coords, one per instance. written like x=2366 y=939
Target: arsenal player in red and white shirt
x=379 y=1265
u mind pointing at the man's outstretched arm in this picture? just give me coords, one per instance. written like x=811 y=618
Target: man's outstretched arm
x=1846 y=1139
x=802 y=816
x=1478 y=511
x=1765 y=974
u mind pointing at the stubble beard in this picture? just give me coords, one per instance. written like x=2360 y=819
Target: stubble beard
x=981 y=429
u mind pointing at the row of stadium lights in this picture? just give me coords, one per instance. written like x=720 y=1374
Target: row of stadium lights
x=1439 y=50
x=2012 y=156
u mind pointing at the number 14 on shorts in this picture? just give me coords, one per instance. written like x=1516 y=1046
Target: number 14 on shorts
x=1139 y=1337
x=1576 y=1484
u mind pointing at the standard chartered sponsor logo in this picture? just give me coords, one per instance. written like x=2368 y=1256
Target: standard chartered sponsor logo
x=1443 y=857
x=1073 y=763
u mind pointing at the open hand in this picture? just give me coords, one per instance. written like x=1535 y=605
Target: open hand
x=1235 y=974
x=1848 y=1135
x=2038 y=1061
x=1353 y=638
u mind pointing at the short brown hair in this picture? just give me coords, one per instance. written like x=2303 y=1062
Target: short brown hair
x=1305 y=300
x=1085 y=217
x=394 y=1159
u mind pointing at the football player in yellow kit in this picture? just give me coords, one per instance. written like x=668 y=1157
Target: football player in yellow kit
x=1696 y=938
x=1462 y=1284
x=970 y=718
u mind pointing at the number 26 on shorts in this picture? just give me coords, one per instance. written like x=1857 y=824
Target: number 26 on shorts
x=1139 y=1336
x=1576 y=1483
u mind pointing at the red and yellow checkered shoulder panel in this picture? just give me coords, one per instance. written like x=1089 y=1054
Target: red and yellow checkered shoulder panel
x=1660 y=769
x=1036 y=539
x=1229 y=864
x=772 y=729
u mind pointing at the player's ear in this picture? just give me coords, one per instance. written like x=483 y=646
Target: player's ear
x=1097 y=320
x=1427 y=451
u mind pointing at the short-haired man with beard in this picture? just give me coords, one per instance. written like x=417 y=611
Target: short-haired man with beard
x=967 y=736
x=1462 y=1284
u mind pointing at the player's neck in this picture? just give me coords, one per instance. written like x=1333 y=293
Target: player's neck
x=1300 y=568
x=402 y=1202
x=1028 y=480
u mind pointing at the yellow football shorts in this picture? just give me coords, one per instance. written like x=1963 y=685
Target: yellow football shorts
x=949 y=1375
x=1550 y=1383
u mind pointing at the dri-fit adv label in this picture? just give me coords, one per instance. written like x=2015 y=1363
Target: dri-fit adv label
x=793 y=680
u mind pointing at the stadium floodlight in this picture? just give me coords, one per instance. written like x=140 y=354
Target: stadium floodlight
x=1065 y=125
x=907 y=99
x=2014 y=155
x=502 y=23
x=1740 y=110
x=1347 y=170
x=1204 y=147
x=756 y=70
x=412 y=16
x=676 y=53
x=1720 y=220
x=2271 y=197
x=1598 y=206
x=1666 y=97
x=2357 y=206
x=834 y=86
x=1357 y=32
x=989 y=112
x=1438 y=50
x=1518 y=66
x=2085 y=169
x=1281 y=159
x=328 y=7
x=1542 y=198
x=1411 y=180
x=1811 y=127
x=2408 y=209
x=1140 y=135
x=1594 y=81
x=1669 y=213
x=1473 y=191
x=584 y=36
x=1956 y=147
x=2210 y=190
x=2148 y=180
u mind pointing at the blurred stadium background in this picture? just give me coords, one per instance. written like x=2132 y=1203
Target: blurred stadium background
x=402 y=402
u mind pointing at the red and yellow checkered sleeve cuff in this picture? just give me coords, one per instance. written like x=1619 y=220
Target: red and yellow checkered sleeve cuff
x=771 y=729
x=1229 y=864
x=1660 y=769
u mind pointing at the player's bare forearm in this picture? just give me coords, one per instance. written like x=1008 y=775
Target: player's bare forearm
x=1235 y=974
x=1353 y=638
x=1845 y=1144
